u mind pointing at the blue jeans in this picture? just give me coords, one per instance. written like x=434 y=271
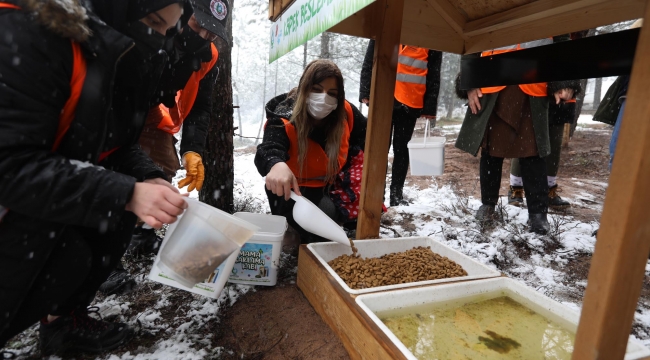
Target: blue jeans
x=614 y=140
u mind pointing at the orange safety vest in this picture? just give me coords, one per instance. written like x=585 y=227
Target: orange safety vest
x=314 y=170
x=171 y=120
x=411 y=80
x=537 y=89
x=77 y=79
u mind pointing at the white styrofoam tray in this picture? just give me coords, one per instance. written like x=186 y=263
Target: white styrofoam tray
x=545 y=306
x=325 y=252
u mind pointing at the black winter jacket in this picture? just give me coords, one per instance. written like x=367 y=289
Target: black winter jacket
x=187 y=52
x=65 y=186
x=433 y=79
x=275 y=144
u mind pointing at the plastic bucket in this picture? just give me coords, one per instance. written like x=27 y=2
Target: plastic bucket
x=258 y=260
x=427 y=154
x=202 y=239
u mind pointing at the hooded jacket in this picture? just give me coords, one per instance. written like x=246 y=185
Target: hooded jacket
x=275 y=145
x=66 y=186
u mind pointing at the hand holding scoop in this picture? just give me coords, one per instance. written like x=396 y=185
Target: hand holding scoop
x=314 y=220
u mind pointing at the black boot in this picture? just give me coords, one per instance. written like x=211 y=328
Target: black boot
x=516 y=196
x=144 y=242
x=538 y=224
x=118 y=282
x=80 y=332
x=485 y=213
x=397 y=197
x=554 y=200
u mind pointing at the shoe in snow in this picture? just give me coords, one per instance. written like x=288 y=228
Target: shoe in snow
x=80 y=332
x=516 y=196
x=485 y=213
x=118 y=282
x=538 y=224
x=555 y=201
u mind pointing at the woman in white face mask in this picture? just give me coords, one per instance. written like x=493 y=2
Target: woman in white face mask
x=311 y=138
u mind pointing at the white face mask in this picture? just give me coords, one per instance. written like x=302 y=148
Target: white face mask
x=320 y=105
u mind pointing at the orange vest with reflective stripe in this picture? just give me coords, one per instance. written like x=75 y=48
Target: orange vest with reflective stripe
x=172 y=119
x=411 y=80
x=76 y=85
x=314 y=169
x=536 y=89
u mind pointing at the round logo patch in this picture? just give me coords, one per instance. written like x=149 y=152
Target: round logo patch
x=219 y=9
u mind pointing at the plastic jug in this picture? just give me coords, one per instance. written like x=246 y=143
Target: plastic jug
x=201 y=239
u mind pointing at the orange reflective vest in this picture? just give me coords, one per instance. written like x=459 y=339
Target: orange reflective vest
x=537 y=89
x=411 y=80
x=314 y=170
x=171 y=120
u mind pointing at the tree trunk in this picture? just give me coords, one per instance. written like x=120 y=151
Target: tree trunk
x=450 y=106
x=304 y=55
x=259 y=131
x=325 y=46
x=580 y=100
x=218 y=155
x=597 y=89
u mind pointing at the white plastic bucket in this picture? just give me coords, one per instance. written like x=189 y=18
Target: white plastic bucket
x=427 y=154
x=201 y=239
x=258 y=260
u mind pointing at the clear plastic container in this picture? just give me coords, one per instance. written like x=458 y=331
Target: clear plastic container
x=201 y=239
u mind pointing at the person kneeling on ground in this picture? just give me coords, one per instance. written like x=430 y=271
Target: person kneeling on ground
x=183 y=99
x=68 y=205
x=313 y=141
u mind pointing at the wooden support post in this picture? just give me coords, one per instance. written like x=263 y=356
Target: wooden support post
x=388 y=30
x=620 y=257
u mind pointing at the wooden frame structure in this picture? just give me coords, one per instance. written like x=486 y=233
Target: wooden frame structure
x=469 y=26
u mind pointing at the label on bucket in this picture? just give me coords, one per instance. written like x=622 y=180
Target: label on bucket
x=253 y=263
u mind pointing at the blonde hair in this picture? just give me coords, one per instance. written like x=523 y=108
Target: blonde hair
x=316 y=72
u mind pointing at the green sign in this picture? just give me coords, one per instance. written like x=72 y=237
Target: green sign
x=307 y=18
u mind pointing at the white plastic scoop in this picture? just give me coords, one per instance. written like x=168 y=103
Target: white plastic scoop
x=314 y=220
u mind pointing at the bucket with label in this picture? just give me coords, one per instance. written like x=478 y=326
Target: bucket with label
x=259 y=258
x=201 y=240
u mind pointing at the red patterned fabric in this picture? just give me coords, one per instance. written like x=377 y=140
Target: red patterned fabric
x=347 y=188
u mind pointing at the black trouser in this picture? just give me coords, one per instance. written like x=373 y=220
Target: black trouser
x=533 y=171
x=47 y=268
x=319 y=196
x=402 y=129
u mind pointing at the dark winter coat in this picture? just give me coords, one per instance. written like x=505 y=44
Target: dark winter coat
x=473 y=129
x=275 y=145
x=609 y=108
x=433 y=80
x=187 y=52
x=65 y=186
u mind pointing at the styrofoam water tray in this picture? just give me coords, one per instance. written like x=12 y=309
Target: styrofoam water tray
x=547 y=307
x=325 y=252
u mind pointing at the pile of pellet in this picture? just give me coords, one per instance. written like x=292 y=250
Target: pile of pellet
x=417 y=264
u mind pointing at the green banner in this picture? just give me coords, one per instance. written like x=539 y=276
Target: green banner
x=307 y=18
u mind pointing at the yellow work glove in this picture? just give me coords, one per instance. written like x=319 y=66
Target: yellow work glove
x=195 y=173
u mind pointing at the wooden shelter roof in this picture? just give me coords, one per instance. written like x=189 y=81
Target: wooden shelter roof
x=468 y=26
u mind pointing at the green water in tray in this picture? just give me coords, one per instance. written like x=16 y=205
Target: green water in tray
x=497 y=328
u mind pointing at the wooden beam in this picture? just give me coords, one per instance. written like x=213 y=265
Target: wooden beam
x=359 y=24
x=389 y=20
x=618 y=265
x=450 y=14
x=599 y=14
x=537 y=10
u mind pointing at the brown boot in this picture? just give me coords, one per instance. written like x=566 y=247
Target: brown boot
x=516 y=196
x=555 y=201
